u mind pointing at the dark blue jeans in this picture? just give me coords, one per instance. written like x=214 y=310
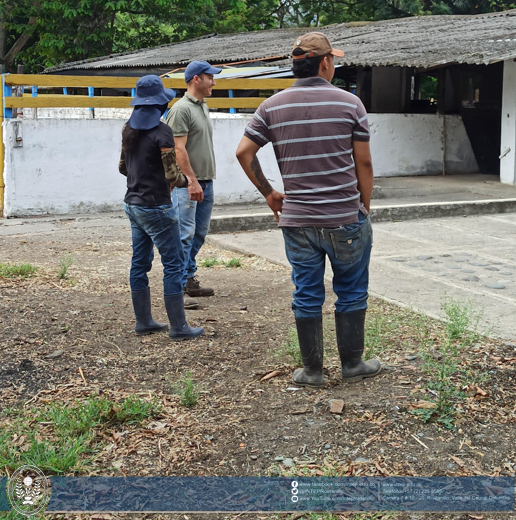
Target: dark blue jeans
x=349 y=251
x=194 y=222
x=155 y=226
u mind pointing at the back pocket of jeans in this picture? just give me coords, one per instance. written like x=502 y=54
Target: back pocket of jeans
x=297 y=245
x=347 y=246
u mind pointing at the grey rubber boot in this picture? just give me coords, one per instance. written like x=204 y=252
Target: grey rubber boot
x=142 y=310
x=179 y=328
x=310 y=335
x=349 y=328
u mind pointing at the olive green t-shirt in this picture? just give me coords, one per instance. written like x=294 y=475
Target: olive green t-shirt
x=191 y=117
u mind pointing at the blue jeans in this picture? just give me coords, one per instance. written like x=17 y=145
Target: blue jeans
x=155 y=226
x=349 y=251
x=194 y=222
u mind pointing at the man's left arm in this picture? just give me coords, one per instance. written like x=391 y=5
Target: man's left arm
x=246 y=155
x=364 y=171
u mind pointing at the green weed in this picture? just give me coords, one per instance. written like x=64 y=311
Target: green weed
x=16 y=271
x=461 y=321
x=234 y=262
x=210 y=262
x=185 y=389
x=64 y=264
x=442 y=364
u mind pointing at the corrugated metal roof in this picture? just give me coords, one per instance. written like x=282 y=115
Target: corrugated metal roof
x=423 y=42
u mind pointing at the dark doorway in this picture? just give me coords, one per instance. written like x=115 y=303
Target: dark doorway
x=478 y=96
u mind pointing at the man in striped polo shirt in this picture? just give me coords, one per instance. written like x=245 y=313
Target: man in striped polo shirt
x=320 y=136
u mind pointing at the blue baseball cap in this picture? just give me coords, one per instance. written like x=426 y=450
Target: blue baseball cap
x=196 y=68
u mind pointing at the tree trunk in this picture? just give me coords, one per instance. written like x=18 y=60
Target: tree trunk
x=3 y=39
x=8 y=59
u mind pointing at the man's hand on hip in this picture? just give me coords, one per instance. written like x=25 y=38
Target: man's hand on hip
x=275 y=202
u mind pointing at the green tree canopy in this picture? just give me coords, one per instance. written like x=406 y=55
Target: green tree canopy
x=42 y=33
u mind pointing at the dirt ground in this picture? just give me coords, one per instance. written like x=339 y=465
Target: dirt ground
x=66 y=339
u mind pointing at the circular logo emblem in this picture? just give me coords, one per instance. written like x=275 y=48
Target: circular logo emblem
x=28 y=491
x=298 y=42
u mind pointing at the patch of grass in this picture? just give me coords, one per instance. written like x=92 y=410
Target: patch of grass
x=234 y=262
x=64 y=264
x=77 y=420
x=56 y=457
x=210 y=262
x=17 y=270
x=186 y=390
x=62 y=437
x=383 y=330
x=134 y=410
x=290 y=348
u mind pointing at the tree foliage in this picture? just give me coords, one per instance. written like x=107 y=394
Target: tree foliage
x=42 y=33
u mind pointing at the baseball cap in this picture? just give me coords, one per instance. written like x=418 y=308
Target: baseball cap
x=196 y=68
x=314 y=44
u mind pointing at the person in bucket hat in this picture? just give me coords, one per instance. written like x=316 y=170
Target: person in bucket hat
x=320 y=136
x=150 y=100
x=149 y=163
x=190 y=121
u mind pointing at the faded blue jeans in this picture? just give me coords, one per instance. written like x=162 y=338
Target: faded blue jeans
x=349 y=251
x=155 y=226
x=194 y=223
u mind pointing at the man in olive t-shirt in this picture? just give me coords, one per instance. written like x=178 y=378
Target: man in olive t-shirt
x=193 y=134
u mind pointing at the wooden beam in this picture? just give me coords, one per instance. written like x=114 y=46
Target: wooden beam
x=60 y=101
x=43 y=80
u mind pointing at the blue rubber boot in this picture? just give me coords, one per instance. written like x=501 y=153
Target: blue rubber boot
x=142 y=310
x=179 y=328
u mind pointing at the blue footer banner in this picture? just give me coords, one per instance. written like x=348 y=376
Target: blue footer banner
x=263 y=494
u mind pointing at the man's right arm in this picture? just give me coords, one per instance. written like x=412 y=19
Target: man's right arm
x=183 y=160
x=246 y=155
x=364 y=171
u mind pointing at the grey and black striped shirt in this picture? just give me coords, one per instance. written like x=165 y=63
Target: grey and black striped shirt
x=312 y=126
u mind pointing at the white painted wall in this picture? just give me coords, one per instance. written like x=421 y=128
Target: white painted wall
x=63 y=166
x=412 y=144
x=71 y=165
x=508 y=141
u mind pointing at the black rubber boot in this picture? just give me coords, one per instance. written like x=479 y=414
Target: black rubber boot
x=349 y=327
x=310 y=335
x=179 y=328
x=142 y=310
